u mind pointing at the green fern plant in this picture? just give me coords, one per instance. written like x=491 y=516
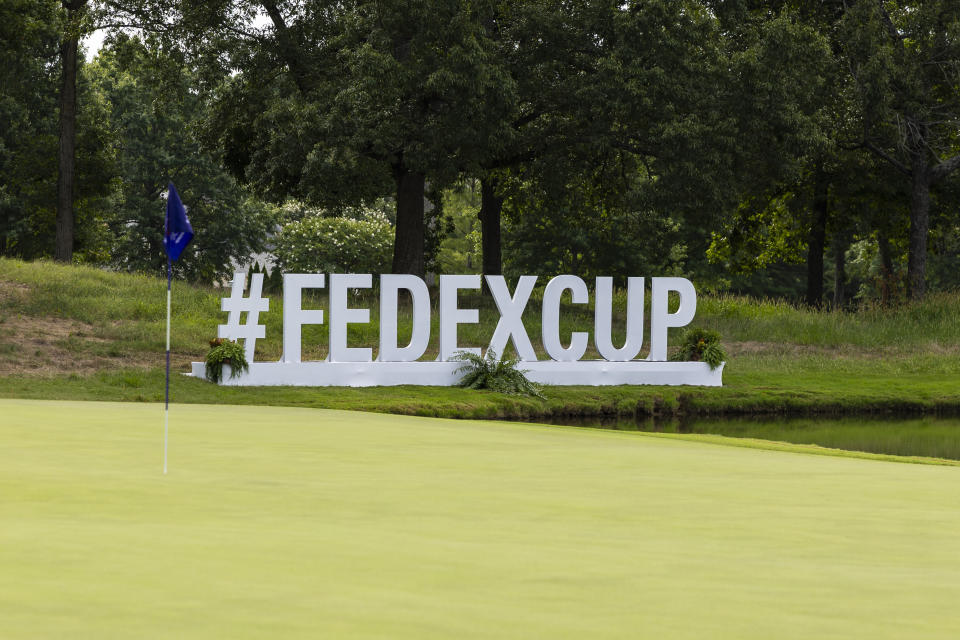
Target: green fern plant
x=225 y=352
x=701 y=345
x=495 y=374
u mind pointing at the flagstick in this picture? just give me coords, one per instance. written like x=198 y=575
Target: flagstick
x=166 y=411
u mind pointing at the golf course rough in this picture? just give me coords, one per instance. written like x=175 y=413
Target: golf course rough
x=287 y=523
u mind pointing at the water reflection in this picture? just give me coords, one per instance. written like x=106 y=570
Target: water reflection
x=928 y=436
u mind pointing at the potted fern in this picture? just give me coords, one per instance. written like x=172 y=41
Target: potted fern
x=701 y=345
x=495 y=374
x=225 y=352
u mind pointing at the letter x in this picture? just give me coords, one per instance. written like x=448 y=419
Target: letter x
x=510 y=326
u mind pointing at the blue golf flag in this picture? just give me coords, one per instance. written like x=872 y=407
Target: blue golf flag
x=177 y=232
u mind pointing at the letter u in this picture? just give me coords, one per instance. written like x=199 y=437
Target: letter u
x=603 y=320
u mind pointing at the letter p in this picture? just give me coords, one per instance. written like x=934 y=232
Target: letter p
x=661 y=319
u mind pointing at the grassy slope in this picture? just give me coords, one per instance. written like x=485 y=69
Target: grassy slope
x=782 y=359
x=290 y=523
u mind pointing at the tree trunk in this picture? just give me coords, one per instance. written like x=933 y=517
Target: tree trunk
x=886 y=267
x=408 y=241
x=817 y=239
x=68 y=136
x=491 y=206
x=840 y=270
x=919 y=226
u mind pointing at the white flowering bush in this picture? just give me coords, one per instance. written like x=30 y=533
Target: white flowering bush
x=296 y=210
x=335 y=245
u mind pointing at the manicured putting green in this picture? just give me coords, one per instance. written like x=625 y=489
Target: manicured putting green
x=284 y=523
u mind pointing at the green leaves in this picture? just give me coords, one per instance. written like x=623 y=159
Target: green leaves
x=495 y=374
x=29 y=74
x=227 y=352
x=155 y=114
x=335 y=245
x=701 y=345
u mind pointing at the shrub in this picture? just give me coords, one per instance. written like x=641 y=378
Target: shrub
x=701 y=345
x=294 y=210
x=494 y=374
x=335 y=245
x=225 y=352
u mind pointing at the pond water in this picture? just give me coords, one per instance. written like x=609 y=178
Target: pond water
x=934 y=437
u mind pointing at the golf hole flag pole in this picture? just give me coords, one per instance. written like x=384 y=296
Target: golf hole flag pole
x=177 y=234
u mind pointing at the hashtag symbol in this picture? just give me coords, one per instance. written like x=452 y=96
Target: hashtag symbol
x=236 y=304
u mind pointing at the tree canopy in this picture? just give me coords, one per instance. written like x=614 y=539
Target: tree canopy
x=730 y=141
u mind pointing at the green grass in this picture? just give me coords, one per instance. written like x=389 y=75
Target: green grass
x=782 y=359
x=930 y=323
x=291 y=523
x=817 y=394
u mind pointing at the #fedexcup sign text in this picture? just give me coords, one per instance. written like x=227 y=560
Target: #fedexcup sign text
x=397 y=364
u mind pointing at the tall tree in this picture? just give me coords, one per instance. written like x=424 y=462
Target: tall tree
x=602 y=82
x=682 y=114
x=75 y=11
x=155 y=114
x=905 y=59
x=333 y=102
x=822 y=179
x=31 y=80
x=28 y=55
x=552 y=51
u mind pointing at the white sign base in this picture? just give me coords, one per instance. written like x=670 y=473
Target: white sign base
x=444 y=374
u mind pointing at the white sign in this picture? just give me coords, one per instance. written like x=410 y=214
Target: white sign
x=400 y=364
